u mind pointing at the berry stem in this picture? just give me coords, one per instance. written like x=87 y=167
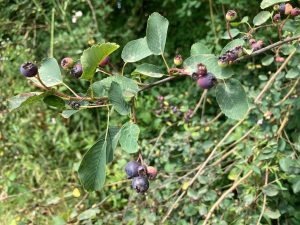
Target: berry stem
x=163 y=57
x=105 y=72
x=228 y=29
x=122 y=73
x=70 y=89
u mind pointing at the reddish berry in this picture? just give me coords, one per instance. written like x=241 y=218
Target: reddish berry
x=67 y=63
x=231 y=15
x=76 y=71
x=252 y=41
x=104 y=62
x=152 y=172
x=207 y=82
x=140 y=184
x=279 y=59
x=288 y=9
x=131 y=169
x=276 y=18
x=29 y=69
x=178 y=60
x=295 y=12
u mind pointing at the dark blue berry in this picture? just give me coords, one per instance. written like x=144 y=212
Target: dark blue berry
x=207 y=82
x=29 y=69
x=76 y=71
x=131 y=169
x=140 y=184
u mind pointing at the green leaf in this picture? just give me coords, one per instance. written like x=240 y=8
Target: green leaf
x=267 y=3
x=92 y=56
x=272 y=214
x=112 y=141
x=296 y=186
x=68 y=113
x=271 y=190
x=25 y=99
x=54 y=101
x=136 y=50
x=129 y=135
x=148 y=70
x=231 y=45
x=199 y=49
x=211 y=62
x=50 y=73
x=88 y=214
x=267 y=60
x=156 y=33
x=261 y=18
x=234 y=32
x=128 y=86
x=293 y=73
x=117 y=100
x=232 y=99
x=92 y=167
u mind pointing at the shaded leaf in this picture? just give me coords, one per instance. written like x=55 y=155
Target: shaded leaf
x=199 y=48
x=54 y=101
x=271 y=190
x=267 y=60
x=156 y=33
x=129 y=135
x=25 y=99
x=148 y=70
x=261 y=18
x=272 y=214
x=117 y=100
x=232 y=99
x=293 y=73
x=50 y=73
x=136 y=50
x=92 y=56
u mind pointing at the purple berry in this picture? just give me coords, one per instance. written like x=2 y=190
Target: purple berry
x=29 y=69
x=131 y=169
x=67 y=63
x=140 y=184
x=207 y=82
x=104 y=62
x=231 y=15
x=276 y=18
x=76 y=71
x=282 y=8
x=295 y=12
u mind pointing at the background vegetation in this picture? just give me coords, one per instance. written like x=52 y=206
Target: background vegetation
x=40 y=151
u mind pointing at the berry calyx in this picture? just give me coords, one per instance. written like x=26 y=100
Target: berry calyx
x=76 y=71
x=29 y=69
x=75 y=105
x=295 y=12
x=142 y=171
x=67 y=63
x=201 y=69
x=140 y=184
x=222 y=62
x=178 y=60
x=231 y=15
x=151 y=172
x=131 y=169
x=207 y=82
x=104 y=62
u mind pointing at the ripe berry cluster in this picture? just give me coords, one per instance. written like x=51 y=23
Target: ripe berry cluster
x=205 y=80
x=230 y=56
x=140 y=175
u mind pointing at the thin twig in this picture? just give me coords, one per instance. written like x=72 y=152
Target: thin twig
x=289 y=93
x=199 y=102
x=265 y=198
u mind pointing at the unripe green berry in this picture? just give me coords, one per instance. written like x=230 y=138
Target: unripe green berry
x=178 y=60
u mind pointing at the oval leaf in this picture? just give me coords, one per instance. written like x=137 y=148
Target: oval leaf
x=136 y=50
x=129 y=135
x=261 y=18
x=156 y=33
x=234 y=32
x=54 y=101
x=25 y=99
x=50 y=73
x=117 y=100
x=232 y=99
x=199 y=49
x=92 y=56
x=148 y=70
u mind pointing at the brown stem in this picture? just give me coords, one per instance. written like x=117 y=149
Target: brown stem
x=228 y=30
